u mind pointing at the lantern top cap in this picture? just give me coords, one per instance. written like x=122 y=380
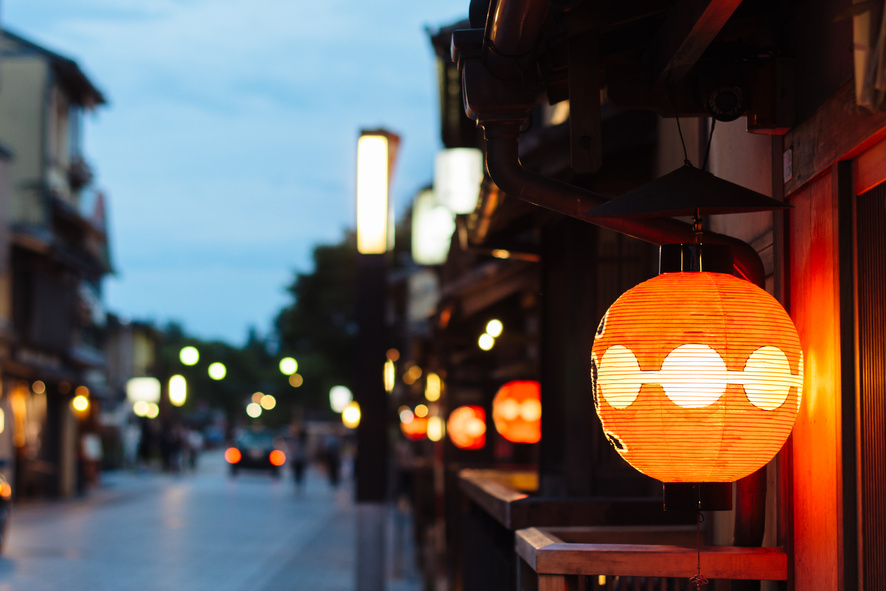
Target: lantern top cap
x=687 y=191
x=711 y=258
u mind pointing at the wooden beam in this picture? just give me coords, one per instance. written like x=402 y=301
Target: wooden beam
x=687 y=32
x=839 y=130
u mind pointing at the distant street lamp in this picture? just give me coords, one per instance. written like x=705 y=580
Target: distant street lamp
x=376 y=153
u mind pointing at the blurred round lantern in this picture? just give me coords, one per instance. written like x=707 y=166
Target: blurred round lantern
x=467 y=427
x=516 y=411
x=697 y=377
x=416 y=429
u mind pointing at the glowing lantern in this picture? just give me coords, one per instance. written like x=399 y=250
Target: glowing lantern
x=516 y=411
x=467 y=427
x=697 y=377
x=416 y=429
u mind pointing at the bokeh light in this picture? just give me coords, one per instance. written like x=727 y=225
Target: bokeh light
x=295 y=380
x=80 y=403
x=253 y=410
x=178 y=390
x=436 y=429
x=433 y=387
x=486 y=341
x=140 y=408
x=350 y=416
x=390 y=375
x=189 y=355
x=217 y=371
x=268 y=402
x=340 y=397
x=288 y=366
x=494 y=328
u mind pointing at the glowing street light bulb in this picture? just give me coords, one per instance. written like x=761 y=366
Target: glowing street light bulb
x=288 y=366
x=217 y=371
x=189 y=355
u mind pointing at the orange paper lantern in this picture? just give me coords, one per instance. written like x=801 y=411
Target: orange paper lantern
x=467 y=427
x=416 y=429
x=697 y=377
x=516 y=411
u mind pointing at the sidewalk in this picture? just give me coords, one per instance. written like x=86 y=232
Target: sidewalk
x=328 y=561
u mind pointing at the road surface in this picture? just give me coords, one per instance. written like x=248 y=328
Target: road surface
x=195 y=532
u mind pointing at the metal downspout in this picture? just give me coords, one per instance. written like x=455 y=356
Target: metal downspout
x=503 y=166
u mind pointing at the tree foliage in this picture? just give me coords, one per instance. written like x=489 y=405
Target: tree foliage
x=318 y=328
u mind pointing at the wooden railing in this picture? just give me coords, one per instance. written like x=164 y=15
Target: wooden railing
x=622 y=558
x=499 y=503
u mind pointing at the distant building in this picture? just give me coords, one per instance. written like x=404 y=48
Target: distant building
x=58 y=256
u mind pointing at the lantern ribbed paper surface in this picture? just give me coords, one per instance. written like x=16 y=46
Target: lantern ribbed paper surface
x=697 y=377
x=516 y=411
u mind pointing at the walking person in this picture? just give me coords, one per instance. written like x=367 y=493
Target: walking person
x=300 y=460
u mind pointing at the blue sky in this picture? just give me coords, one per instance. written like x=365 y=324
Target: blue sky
x=227 y=149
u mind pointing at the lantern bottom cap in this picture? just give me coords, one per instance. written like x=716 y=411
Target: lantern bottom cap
x=697 y=496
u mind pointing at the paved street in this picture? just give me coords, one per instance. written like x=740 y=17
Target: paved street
x=196 y=532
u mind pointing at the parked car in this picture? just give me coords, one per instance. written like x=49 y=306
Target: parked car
x=256 y=450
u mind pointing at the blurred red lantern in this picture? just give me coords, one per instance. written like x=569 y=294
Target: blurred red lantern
x=697 y=377
x=416 y=429
x=516 y=411
x=467 y=427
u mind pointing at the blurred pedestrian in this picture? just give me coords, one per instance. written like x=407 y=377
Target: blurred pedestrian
x=333 y=459
x=300 y=460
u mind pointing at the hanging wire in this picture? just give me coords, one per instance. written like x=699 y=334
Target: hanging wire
x=704 y=165
x=699 y=579
x=677 y=117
